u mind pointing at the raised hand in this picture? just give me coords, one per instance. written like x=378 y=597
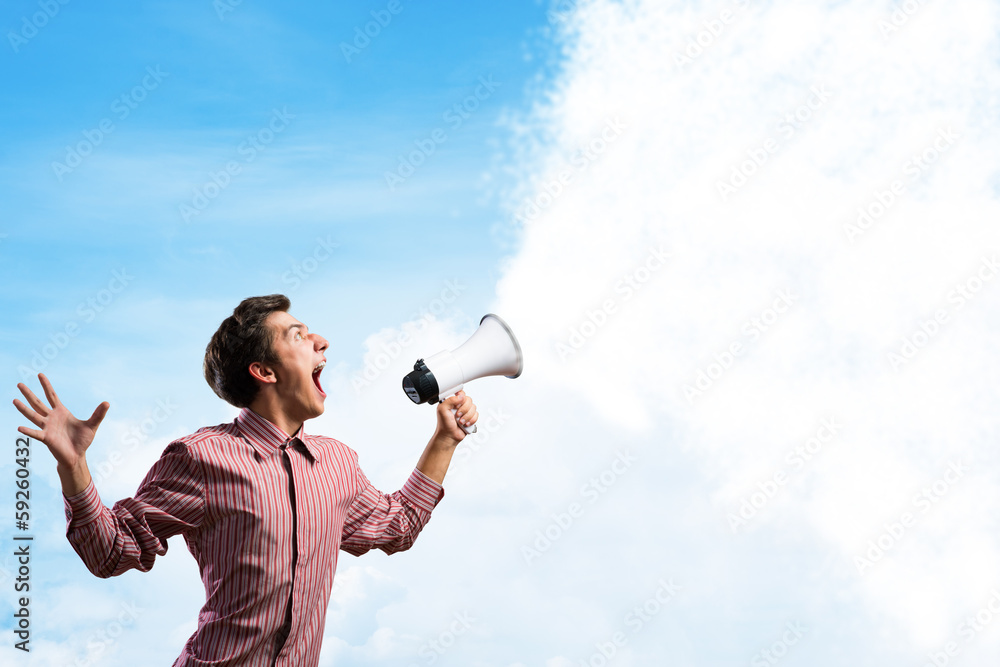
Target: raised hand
x=66 y=436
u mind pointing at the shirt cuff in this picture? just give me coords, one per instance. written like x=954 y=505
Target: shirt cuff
x=84 y=507
x=423 y=491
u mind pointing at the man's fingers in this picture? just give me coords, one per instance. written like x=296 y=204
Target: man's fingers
x=33 y=401
x=50 y=393
x=467 y=418
x=98 y=416
x=31 y=433
x=29 y=414
x=459 y=399
x=465 y=410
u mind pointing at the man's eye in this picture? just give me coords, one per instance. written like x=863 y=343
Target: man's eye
x=298 y=335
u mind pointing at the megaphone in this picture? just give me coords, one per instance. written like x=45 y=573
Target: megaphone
x=492 y=350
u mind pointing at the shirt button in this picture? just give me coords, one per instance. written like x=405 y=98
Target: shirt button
x=69 y=515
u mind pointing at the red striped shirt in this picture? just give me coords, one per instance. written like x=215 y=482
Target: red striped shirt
x=246 y=521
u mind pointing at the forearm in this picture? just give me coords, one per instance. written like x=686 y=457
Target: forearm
x=93 y=533
x=75 y=477
x=111 y=541
x=436 y=458
x=452 y=414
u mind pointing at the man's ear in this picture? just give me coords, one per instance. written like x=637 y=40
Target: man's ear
x=262 y=373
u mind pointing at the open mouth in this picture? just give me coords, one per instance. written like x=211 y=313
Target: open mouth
x=315 y=375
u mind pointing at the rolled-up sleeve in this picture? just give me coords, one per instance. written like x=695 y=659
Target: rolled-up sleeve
x=390 y=522
x=170 y=500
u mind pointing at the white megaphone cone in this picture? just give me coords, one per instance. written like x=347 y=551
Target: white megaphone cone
x=492 y=350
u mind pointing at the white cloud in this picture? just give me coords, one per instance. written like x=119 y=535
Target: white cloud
x=870 y=111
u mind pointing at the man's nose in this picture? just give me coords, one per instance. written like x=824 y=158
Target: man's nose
x=320 y=343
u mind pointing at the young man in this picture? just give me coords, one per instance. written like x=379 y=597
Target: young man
x=263 y=506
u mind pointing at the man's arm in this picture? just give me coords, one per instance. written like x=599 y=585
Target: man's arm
x=437 y=455
x=391 y=522
x=110 y=541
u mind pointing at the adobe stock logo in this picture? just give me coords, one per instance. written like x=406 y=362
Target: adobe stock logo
x=627 y=286
x=579 y=162
x=595 y=489
x=138 y=434
x=455 y=116
x=29 y=28
x=380 y=361
x=754 y=502
x=122 y=107
x=756 y=157
x=433 y=649
x=640 y=616
x=928 y=329
x=381 y=18
x=895 y=530
x=916 y=168
x=780 y=648
x=712 y=30
x=752 y=329
x=87 y=311
x=305 y=268
x=967 y=630
x=900 y=16
x=249 y=149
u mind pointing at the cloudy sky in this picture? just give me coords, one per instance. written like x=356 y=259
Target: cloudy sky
x=749 y=249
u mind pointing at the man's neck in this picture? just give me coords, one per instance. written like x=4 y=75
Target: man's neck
x=277 y=417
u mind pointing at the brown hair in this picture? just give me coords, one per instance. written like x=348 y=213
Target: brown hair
x=240 y=340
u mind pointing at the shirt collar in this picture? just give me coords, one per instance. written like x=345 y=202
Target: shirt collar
x=266 y=437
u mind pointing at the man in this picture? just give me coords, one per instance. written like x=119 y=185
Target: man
x=263 y=506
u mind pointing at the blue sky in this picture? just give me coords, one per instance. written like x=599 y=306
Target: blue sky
x=727 y=234
x=322 y=176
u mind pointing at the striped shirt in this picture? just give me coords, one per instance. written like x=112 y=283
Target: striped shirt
x=264 y=514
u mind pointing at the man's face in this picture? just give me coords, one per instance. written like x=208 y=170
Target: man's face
x=300 y=362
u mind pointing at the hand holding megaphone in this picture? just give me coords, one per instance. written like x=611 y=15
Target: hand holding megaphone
x=492 y=350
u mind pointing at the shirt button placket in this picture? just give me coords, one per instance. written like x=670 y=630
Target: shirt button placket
x=285 y=629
